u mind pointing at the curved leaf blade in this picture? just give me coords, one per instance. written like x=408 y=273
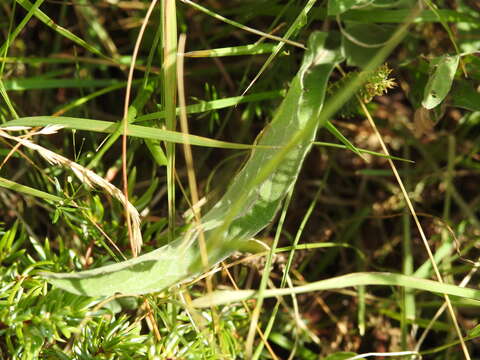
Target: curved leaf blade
x=249 y=204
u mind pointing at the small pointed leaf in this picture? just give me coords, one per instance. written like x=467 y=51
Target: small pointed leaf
x=440 y=81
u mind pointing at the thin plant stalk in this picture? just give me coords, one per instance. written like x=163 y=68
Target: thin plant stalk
x=136 y=247
x=192 y=181
x=169 y=21
x=419 y=227
x=408 y=296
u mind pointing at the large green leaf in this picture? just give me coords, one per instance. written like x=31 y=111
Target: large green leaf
x=465 y=95
x=249 y=204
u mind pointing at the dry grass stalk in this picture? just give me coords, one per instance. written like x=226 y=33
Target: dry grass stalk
x=87 y=176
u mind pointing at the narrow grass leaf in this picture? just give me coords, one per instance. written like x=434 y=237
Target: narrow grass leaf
x=204 y=106
x=11 y=185
x=20 y=26
x=251 y=49
x=40 y=15
x=133 y=130
x=241 y=26
x=299 y=22
x=362 y=151
x=335 y=132
x=340 y=282
x=32 y=84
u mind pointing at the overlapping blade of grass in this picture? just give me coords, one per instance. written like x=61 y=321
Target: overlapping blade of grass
x=40 y=15
x=13 y=35
x=294 y=28
x=335 y=132
x=243 y=27
x=287 y=269
x=91 y=16
x=366 y=15
x=248 y=205
x=41 y=83
x=252 y=49
x=216 y=104
x=11 y=185
x=143 y=132
x=339 y=282
x=360 y=150
x=122 y=62
x=144 y=94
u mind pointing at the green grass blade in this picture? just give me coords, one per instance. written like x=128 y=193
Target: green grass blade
x=91 y=16
x=299 y=22
x=251 y=49
x=216 y=104
x=241 y=26
x=40 y=15
x=340 y=282
x=288 y=266
x=143 y=132
x=11 y=185
x=360 y=150
x=32 y=84
x=335 y=132
x=6 y=98
x=20 y=26
x=135 y=108
x=84 y=99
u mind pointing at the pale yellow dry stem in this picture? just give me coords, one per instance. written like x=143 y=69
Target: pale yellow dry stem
x=105 y=235
x=151 y=322
x=14 y=149
x=192 y=182
x=419 y=227
x=135 y=245
x=47 y=130
x=51 y=129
